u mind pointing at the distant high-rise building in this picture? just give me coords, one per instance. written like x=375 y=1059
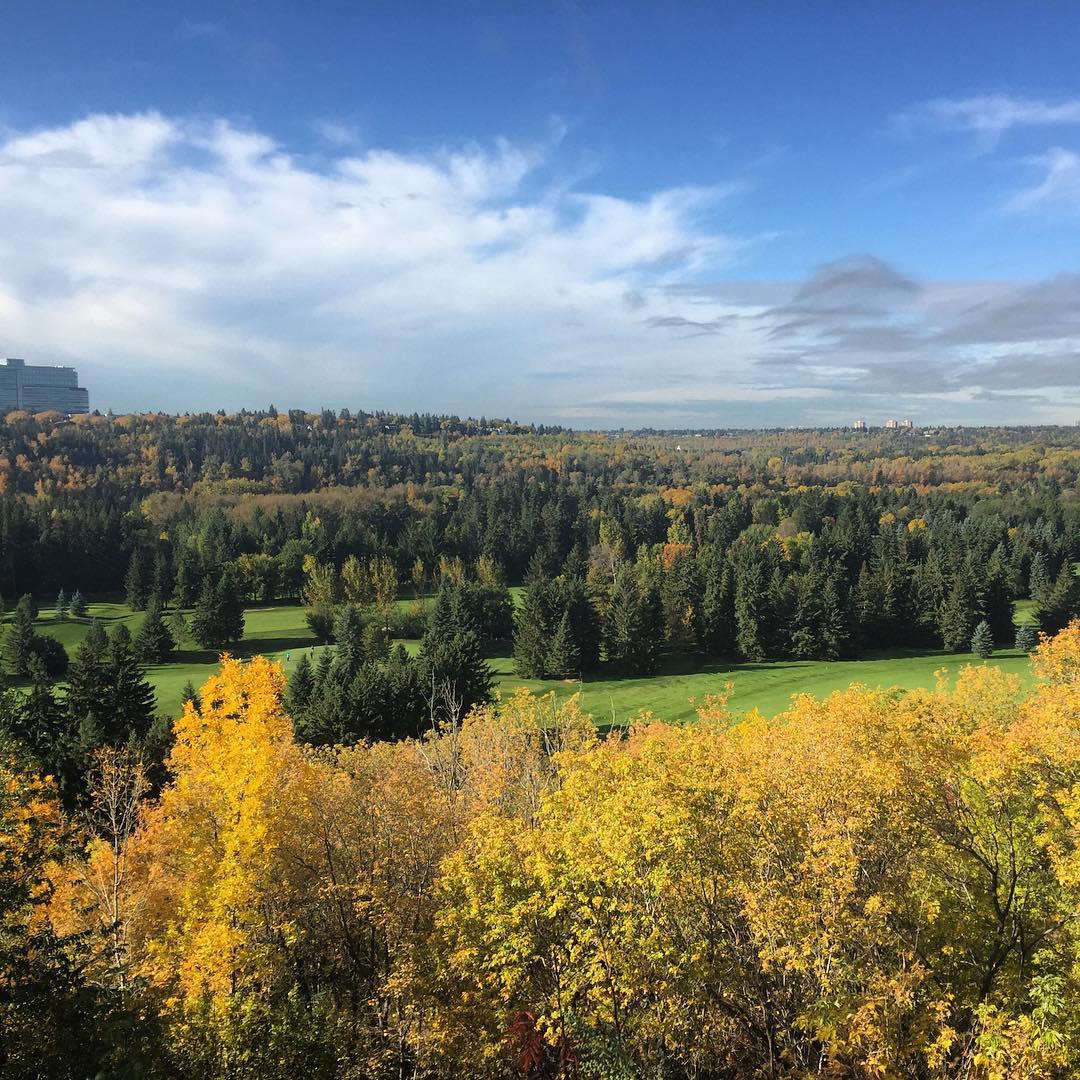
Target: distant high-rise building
x=39 y=389
x=891 y=424
x=859 y=425
x=908 y=424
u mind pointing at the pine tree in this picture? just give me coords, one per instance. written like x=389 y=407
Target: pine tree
x=532 y=632
x=1027 y=637
x=61 y=612
x=982 y=640
x=1060 y=603
x=154 y=644
x=20 y=636
x=78 y=605
x=136 y=580
x=563 y=659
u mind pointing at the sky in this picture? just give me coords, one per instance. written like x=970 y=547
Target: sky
x=593 y=214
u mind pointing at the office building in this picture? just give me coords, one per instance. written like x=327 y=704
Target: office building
x=39 y=389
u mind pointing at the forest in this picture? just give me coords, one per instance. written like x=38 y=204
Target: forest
x=372 y=862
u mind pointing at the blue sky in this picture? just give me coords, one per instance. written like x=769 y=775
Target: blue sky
x=594 y=214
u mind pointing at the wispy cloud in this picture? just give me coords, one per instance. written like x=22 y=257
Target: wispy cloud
x=987 y=116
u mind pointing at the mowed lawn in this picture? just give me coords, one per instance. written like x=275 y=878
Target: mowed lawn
x=282 y=633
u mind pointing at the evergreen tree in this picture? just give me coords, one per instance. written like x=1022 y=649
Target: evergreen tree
x=185 y=578
x=177 y=625
x=161 y=581
x=87 y=684
x=634 y=625
x=61 y=612
x=1060 y=603
x=1027 y=637
x=154 y=644
x=1038 y=577
x=130 y=698
x=218 y=618
x=189 y=693
x=301 y=687
x=78 y=605
x=718 y=612
x=807 y=617
x=43 y=727
x=349 y=639
x=137 y=580
x=752 y=609
x=376 y=645
x=982 y=640
x=20 y=636
x=960 y=612
x=563 y=659
x=836 y=634
x=532 y=631
x=998 y=596
x=324 y=671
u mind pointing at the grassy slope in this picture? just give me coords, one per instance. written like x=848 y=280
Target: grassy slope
x=281 y=632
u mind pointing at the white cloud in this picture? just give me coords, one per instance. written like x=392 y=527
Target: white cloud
x=180 y=248
x=988 y=116
x=192 y=263
x=1059 y=186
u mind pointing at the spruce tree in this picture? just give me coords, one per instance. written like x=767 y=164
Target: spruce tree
x=62 y=609
x=154 y=644
x=349 y=639
x=960 y=612
x=834 y=633
x=982 y=640
x=87 y=681
x=751 y=609
x=136 y=580
x=185 y=578
x=718 y=611
x=563 y=659
x=218 y=618
x=532 y=632
x=78 y=605
x=301 y=687
x=1060 y=603
x=1038 y=577
x=998 y=596
x=1027 y=637
x=189 y=693
x=376 y=645
x=20 y=636
x=130 y=697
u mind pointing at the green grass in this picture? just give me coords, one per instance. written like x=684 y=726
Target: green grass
x=767 y=687
x=282 y=633
x=278 y=632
